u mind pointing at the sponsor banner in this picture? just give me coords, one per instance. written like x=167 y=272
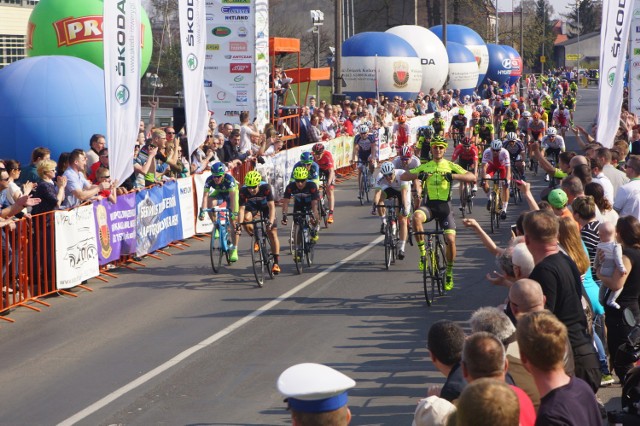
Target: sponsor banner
x=158 y=221
x=185 y=197
x=76 y=249
x=193 y=32
x=121 y=36
x=202 y=226
x=634 y=57
x=115 y=227
x=616 y=23
x=236 y=71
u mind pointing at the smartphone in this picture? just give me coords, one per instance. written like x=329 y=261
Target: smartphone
x=514 y=229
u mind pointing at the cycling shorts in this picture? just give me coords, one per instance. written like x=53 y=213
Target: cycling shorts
x=466 y=164
x=325 y=174
x=440 y=211
x=492 y=169
x=389 y=193
x=553 y=151
x=363 y=156
x=224 y=197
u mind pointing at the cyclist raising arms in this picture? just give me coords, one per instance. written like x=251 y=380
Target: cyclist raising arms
x=220 y=188
x=407 y=161
x=496 y=159
x=327 y=169
x=390 y=185
x=306 y=161
x=437 y=123
x=436 y=176
x=466 y=155
x=256 y=198
x=364 y=147
x=306 y=195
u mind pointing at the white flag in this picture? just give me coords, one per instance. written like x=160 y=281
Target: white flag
x=193 y=36
x=616 y=22
x=121 y=37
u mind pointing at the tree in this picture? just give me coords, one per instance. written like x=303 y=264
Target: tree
x=166 y=57
x=538 y=33
x=584 y=17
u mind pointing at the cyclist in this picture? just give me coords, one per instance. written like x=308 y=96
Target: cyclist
x=436 y=177
x=256 y=198
x=475 y=117
x=221 y=188
x=327 y=169
x=400 y=132
x=437 y=123
x=513 y=107
x=573 y=88
x=407 y=161
x=484 y=111
x=515 y=148
x=423 y=141
x=547 y=104
x=509 y=124
x=306 y=198
x=364 y=145
x=496 y=158
x=537 y=128
x=523 y=125
x=458 y=125
x=561 y=118
x=306 y=160
x=483 y=132
x=552 y=144
x=570 y=104
x=390 y=185
x=466 y=155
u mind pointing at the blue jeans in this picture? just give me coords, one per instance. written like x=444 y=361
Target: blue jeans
x=602 y=353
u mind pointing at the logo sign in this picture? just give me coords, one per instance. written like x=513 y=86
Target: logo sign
x=236 y=9
x=208 y=83
x=240 y=68
x=237 y=46
x=242 y=96
x=611 y=75
x=242 y=32
x=210 y=16
x=213 y=47
x=192 y=62
x=221 y=31
x=238 y=78
x=636 y=51
x=70 y=31
x=636 y=64
x=506 y=63
x=221 y=95
x=427 y=61
x=122 y=94
x=236 y=18
x=400 y=74
x=236 y=1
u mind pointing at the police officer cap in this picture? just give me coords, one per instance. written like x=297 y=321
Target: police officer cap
x=314 y=388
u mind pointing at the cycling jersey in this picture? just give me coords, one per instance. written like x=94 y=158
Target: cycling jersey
x=570 y=103
x=484 y=111
x=424 y=147
x=549 y=143
x=402 y=134
x=523 y=124
x=465 y=154
x=561 y=117
x=509 y=125
x=433 y=177
x=325 y=162
x=411 y=164
x=502 y=160
x=514 y=150
x=302 y=197
x=437 y=124
x=258 y=202
x=536 y=127
x=459 y=123
x=365 y=143
x=383 y=183
x=226 y=185
x=314 y=171
x=484 y=133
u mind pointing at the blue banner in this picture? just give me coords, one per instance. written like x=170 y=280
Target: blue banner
x=115 y=227
x=158 y=219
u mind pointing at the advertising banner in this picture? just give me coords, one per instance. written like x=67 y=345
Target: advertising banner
x=76 y=250
x=121 y=37
x=115 y=227
x=236 y=71
x=185 y=197
x=634 y=61
x=158 y=218
x=202 y=226
x=193 y=33
x=616 y=22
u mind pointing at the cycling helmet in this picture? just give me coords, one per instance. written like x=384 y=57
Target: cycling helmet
x=496 y=145
x=402 y=118
x=427 y=131
x=387 y=168
x=509 y=114
x=363 y=128
x=368 y=123
x=318 y=148
x=306 y=158
x=479 y=108
x=461 y=111
x=475 y=114
x=551 y=131
x=466 y=141
x=406 y=152
x=218 y=169
x=526 y=114
x=300 y=173
x=437 y=114
x=500 y=90
x=482 y=121
x=511 y=136
x=439 y=141
x=252 y=179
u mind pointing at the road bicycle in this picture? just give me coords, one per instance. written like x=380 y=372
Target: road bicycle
x=364 y=184
x=324 y=200
x=553 y=158
x=391 y=232
x=466 y=196
x=304 y=246
x=514 y=192
x=435 y=264
x=456 y=137
x=221 y=238
x=261 y=259
x=495 y=200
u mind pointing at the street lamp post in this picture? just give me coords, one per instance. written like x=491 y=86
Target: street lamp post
x=317 y=18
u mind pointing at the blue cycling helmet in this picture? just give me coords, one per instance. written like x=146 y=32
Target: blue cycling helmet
x=218 y=169
x=306 y=158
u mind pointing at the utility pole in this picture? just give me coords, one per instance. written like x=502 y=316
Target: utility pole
x=579 y=31
x=521 y=46
x=544 y=36
x=337 y=62
x=444 y=24
x=415 y=12
x=497 y=22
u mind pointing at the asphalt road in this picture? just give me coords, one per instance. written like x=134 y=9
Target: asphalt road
x=174 y=344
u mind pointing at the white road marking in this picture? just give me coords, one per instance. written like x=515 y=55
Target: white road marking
x=208 y=341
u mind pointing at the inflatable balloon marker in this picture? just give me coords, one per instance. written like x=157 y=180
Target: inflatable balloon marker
x=382 y=59
x=515 y=64
x=74 y=28
x=431 y=51
x=472 y=41
x=463 y=69
x=499 y=65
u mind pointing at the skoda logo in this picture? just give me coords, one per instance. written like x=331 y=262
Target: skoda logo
x=122 y=94
x=611 y=75
x=192 y=62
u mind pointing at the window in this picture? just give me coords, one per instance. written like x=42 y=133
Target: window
x=12 y=49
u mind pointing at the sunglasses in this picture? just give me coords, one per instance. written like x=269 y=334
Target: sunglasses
x=105 y=177
x=301 y=180
x=171 y=133
x=437 y=146
x=4 y=180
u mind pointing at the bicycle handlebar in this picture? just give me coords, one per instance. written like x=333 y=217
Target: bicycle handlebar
x=438 y=232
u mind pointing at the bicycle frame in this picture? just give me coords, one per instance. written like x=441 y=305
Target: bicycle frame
x=435 y=264
x=303 y=246
x=220 y=247
x=262 y=260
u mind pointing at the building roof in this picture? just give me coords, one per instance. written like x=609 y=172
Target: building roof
x=560 y=38
x=575 y=39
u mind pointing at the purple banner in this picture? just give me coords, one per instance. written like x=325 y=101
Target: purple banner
x=158 y=218
x=115 y=227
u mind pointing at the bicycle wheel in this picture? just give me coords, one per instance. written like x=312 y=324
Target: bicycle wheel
x=361 y=187
x=367 y=186
x=299 y=251
x=434 y=273
x=493 y=214
x=464 y=197
x=441 y=264
x=215 y=252
x=268 y=258
x=257 y=262
x=323 y=209
x=387 y=245
x=227 y=252
x=292 y=237
x=469 y=203
x=497 y=208
x=426 y=280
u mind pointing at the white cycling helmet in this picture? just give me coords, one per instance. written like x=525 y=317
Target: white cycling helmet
x=526 y=114
x=551 y=131
x=496 y=145
x=368 y=123
x=387 y=168
x=511 y=136
x=363 y=128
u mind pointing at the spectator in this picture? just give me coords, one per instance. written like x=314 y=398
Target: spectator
x=78 y=188
x=96 y=143
x=596 y=191
x=445 y=342
x=628 y=233
x=584 y=212
x=599 y=177
x=246 y=132
x=50 y=192
x=202 y=156
x=617 y=177
x=433 y=411
x=574 y=188
x=144 y=165
x=233 y=156
x=314 y=132
x=103 y=177
x=8 y=211
x=564 y=399
x=627 y=199
x=483 y=356
x=558 y=200
x=14 y=191
x=102 y=162
x=63 y=163
x=30 y=173
x=562 y=285
x=487 y=402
